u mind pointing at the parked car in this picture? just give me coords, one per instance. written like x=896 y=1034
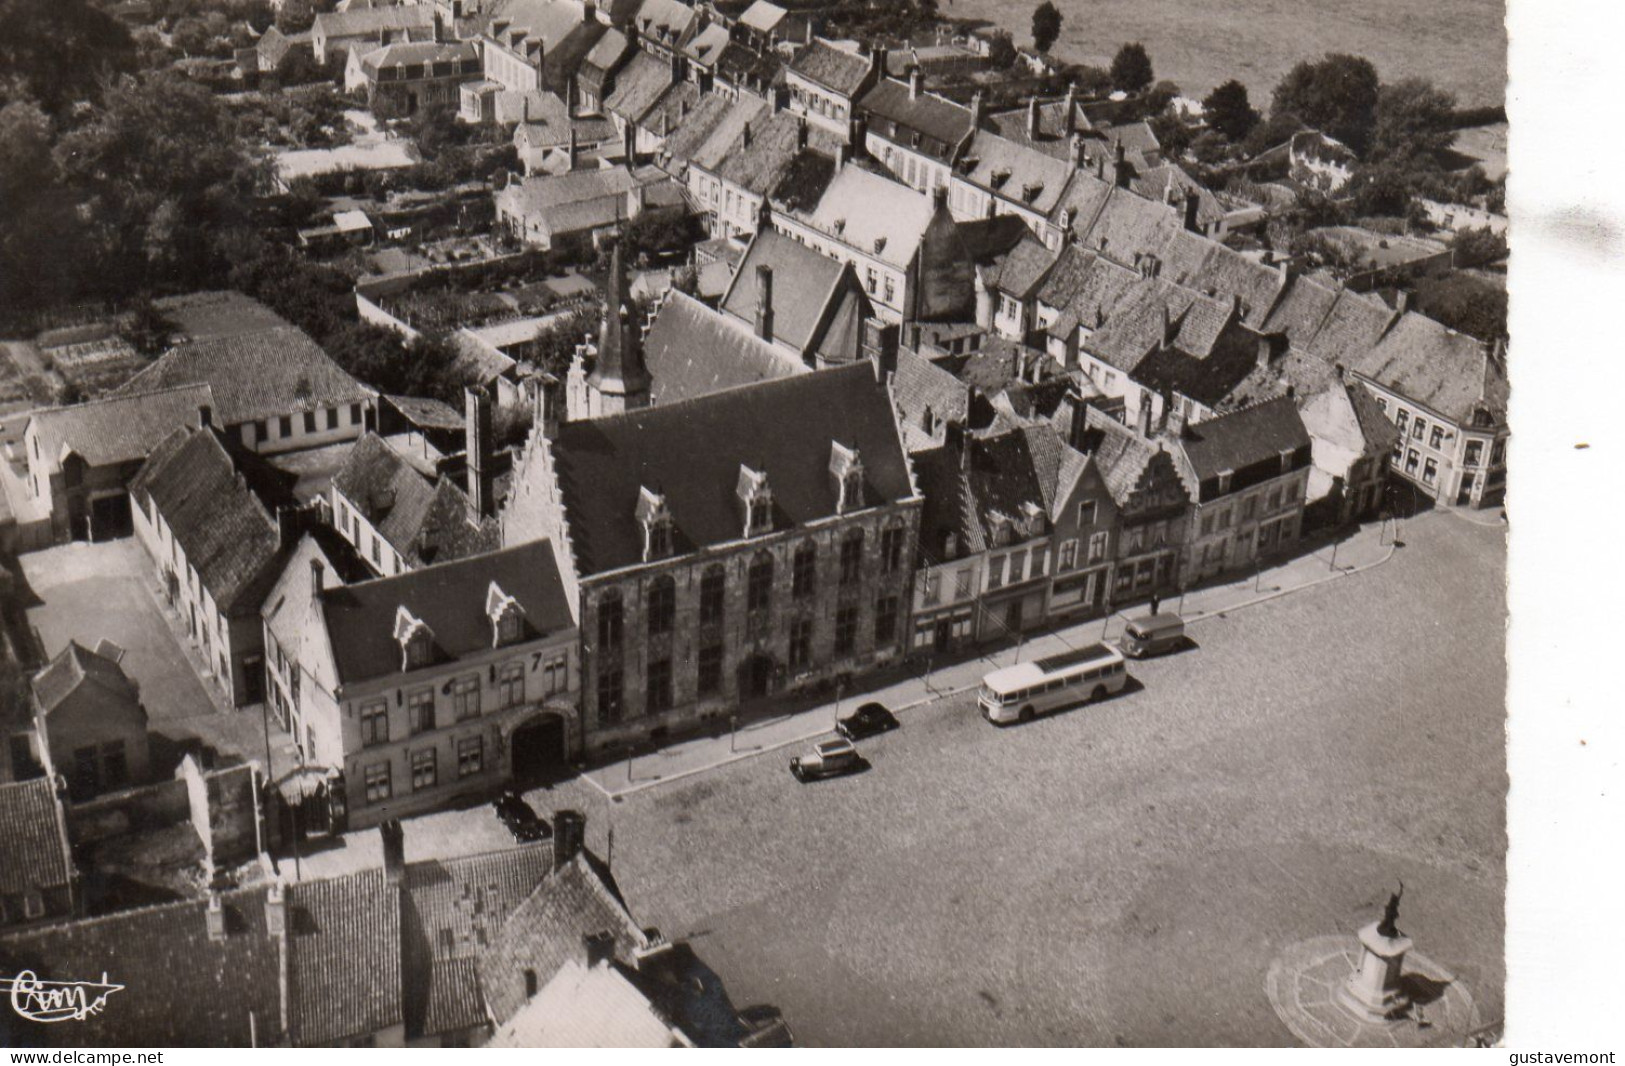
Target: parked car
x=516 y=815
x=829 y=758
x=869 y=720
x=1153 y=634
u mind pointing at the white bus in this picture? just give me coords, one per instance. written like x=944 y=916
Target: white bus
x=1017 y=693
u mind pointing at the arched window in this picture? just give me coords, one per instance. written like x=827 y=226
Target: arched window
x=609 y=621
x=662 y=605
x=759 y=589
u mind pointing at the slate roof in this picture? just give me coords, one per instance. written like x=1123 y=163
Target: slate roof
x=229 y=534
x=548 y=929
x=693 y=452
x=367 y=22
x=920 y=386
x=34 y=852
x=638 y=86
x=180 y=987
x=933 y=116
x=864 y=209
x=1052 y=139
x=450 y=600
x=425 y=521
x=693 y=351
x=747 y=67
x=665 y=21
x=762 y=16
x=804 y=284
x=119 y=428
x=707 y=45
x=711 y=130
x=77 y=665
x=836 y=69
x=1119 y=453
x=1236 y=440
x=254 y=375
x=775 y=142
x=1020 y=270
x=427 y=413
x=409 y=52
x=1449 y=372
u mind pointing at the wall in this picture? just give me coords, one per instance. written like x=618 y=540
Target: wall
x=132 y=810
x=224 y=811
x=304 y=429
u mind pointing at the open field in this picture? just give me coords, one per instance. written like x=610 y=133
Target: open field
x=1460 y=44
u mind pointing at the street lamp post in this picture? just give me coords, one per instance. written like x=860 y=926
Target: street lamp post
x=1333 y=564
x=733 y=732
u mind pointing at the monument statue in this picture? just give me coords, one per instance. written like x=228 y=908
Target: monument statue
x=1390 y=915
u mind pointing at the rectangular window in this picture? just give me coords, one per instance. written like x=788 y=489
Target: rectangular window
x=1403 y=420
x=609 y=625
x=846 y=630
x=1418 y=428
x=355 y=414
x=804 y=574
x=610 y=695
x=995 y=572
x=1273 y=500
x=891 y=549
x=713 y=590
x=886 y=620
x=420 y=710
x=115 y=771
x=1436 y=438
x=1411 y=459
x=556 y=676
x=710 y=673
x=1018 y=567
x=1098 y=543
x=800 y=643
x=374 y=723
x=1086 y=513
x=1069 y=556
x=376 y=778
x=1207 y=524
x=932 y=590
x=1430 y=470
x=657 y=694
x=310 y=421
x=284 y=426
x=962 y=584
x=465 y=695
x=759 y=588
x=1249 y=507
x=852 y=557
x=470 y=756
x=1223 y=521
x=1040 y=562
x=423 y=769
x=510 y=686
x=1475 y=452
x=377 y=558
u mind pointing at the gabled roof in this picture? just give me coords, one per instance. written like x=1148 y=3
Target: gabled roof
x=116 y=429
x=211 y=498
x=707 y=45
x=367 y=22
x=254 y=375
x=763 y=16
x=1237 y=440
x=1449 y=372
x=424 y=412
x=638 y=86
x=34 y=852
x=415 y=52
x=1120 y=454
x=201 y=316
x=873 y=213
x=774 y=143
x=922 y=386
x=588 y=1007
x=805 y=285
x=548 y=930
x=425 y=521
x=450 y=600
x=837 y=69
x=693 y=452
x=1016 y=172
x=344 y=960
x=77 y=666
x=710 y=131
x=665 y=21
x=931 y=115
x=1347 y=415
x=1020 y=270
x=693 y=351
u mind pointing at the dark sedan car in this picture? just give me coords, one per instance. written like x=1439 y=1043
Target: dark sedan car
x=514 y=813
x=871 y=719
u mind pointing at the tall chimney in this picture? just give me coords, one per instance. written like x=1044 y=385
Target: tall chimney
x=573 y=150
x=205 y=416
x=1071 y=106
x=976 y=108
x=215 y=918
x=569 y=835
x=801 y=131
x=744 y=136
x=1193 y=204
x=1120 y=172
x=478 y=442
x=394 y=841
x=316 y=574
x=1032 y=119
x=764 y=302
x=1145 y=413
x=915 y=78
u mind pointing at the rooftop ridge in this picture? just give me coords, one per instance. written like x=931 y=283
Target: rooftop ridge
x=118 y=397
x=657 y=409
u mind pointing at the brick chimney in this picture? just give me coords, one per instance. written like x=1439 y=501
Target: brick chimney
x=764 y=302
x=569 y=835
x=1032 y=119
x=1193 y=205
x=287 y=525
x=478 y=441
x=316 y=575
x=276 y=911
x=916 y=78
x=1120 y=170
x=600 y=947
x=1071 y=106
x=977 y=106
x=215 y=918
x=205 y=416
x=394 y=841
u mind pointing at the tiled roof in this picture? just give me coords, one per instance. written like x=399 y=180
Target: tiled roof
x=427 y=522
x=1022 y=268
x=254 y=375
x=1450 y=372
x=227 y=531
x=875 y=214
x=202 y=316
x=775 y=141
x=180 y=987
x=693 y=452
x=748 y=67
x=607 y=54
x=1347 y=415
x=344 y=965
x=456 y=908
x=671 y=108
x=117 y=429
x=1206 y=376
x=34 y=853
x=582 y=1007
x=450 y=600
x=1204 y=265
x=712 y=129
x=762 y=16
x=665 y=21
x=409 y=52
x=920 y=386
x=1351 y=329
x=1233 y=441
x=77 y=665
x=708 y=44
x=835 y=68
x=803 y=182
x=692 y=351
x=1119 y=453
x=1017 y=172
x=427 y=413
x=927 y=113
x=639 y=84
x=804 y=284
x=1087 y=284
x=1301 y=310
x=549 y=929
x=369 y=21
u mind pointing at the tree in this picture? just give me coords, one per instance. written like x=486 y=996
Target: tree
x=1414 y=123
x=1046 y=25
x=1131 y=68
x=1229 y=111
x=1001 y=51
x=57 y=51
x=148 y=330
x=295 y=16
x=39 y=230
x=1478 y=247
x=1464 y=303
x=1336 y=95
x=190 y=36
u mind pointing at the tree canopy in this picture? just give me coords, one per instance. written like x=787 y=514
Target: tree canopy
x=1046 y=25
x=57 y=51
x=1131 y=68
x=1229 y=111
x=1414 y=123
x=1336 y=95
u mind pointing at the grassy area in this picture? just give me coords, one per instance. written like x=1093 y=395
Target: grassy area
x=1460 y=44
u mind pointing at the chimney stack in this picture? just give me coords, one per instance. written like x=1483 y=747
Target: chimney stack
x=569 y=832
x=1145 y=414
x=1120 y=172
x=287 y=525
x=316 y=574
x=215 y=918
x=1032 y=119
x=1071 y=106
x=801 y=132
x=764 y=302
x=1265 y=355
x=1193 y=205
x=915 y=79
x=276 y=911
x=1402 y=301
x=573 y=149
x=478 y=442
x=394 y=841
x=600 y=947
x=205 y=416
x=744 y=137
x=976 y=109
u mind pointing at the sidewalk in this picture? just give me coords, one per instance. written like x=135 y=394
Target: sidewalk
x=1371 y=545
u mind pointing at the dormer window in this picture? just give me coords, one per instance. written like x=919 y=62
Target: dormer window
x=507 y=617
x=757 y=500
x=880 y=245
x=655 y=517
x=415 y=638
x=1033 y=524
x=1003 y=531
x=846 y=467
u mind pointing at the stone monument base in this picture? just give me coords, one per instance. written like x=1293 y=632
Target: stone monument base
x=1373 y=992
x=1305 y=984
